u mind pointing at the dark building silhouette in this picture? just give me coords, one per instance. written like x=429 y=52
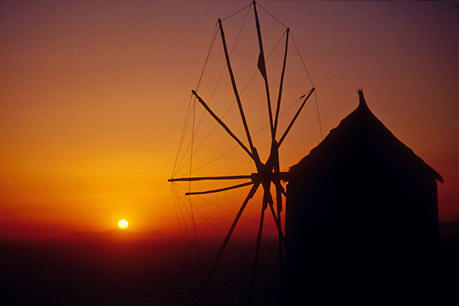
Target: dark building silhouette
x=362 y=204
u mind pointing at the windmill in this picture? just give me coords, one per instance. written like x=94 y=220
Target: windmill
x=267 y=173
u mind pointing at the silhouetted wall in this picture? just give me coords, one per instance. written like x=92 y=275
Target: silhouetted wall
x=361 y=203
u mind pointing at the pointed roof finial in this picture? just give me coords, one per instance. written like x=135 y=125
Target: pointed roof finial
x=361 y=98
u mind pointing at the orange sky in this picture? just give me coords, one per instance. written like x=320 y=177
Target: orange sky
x=93 y=95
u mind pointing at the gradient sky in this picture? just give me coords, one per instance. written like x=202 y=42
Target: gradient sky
x=93 y=95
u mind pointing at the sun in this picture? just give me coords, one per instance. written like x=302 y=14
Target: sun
x=123 y=224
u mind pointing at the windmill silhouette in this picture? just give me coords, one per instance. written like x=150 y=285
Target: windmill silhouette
x=267 y=173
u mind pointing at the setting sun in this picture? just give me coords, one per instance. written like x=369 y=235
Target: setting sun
x=123 y=224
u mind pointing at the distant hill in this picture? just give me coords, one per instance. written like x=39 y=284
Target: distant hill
x=118 y=234
x=448 y=231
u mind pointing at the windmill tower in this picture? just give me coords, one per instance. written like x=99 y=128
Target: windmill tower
x=268 y=173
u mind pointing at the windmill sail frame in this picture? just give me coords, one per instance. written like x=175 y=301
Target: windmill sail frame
x=267 y=173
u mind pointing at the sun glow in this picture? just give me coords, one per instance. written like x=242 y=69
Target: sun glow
x=123 y=224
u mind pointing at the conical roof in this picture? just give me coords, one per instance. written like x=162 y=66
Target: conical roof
x=359 y=131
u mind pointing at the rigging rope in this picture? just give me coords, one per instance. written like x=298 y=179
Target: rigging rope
x=214 y=36
x=194 y=99
x=259 y=131
x=232 y=212
x=237 y=12
x=309 y=76
x=190 y=118
x=182 y=137
x=301 y=58
x=204 y=199
x=212 y=95
x=198 y=230
x=254 y=135
x=183 y=217
x=180 y=226
x=318 y=115
x=223 y=69
x=193 y=131
x=201 y=76
x=231 y=247
x=258 y=4
x=232 y=105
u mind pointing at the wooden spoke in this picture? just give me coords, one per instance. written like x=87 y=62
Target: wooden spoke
x=233 y=83
x=276 y=217
x=279 y=98
x=296 y=116
x=282 y=190
x=257 y=250
x=262 y=68
x=230 y=232
x=210 y=178
x=254 y=177
x=220 y=189
x=222 y=124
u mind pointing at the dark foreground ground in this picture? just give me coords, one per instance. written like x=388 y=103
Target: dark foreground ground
x=145 y=272
x=142 y=272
